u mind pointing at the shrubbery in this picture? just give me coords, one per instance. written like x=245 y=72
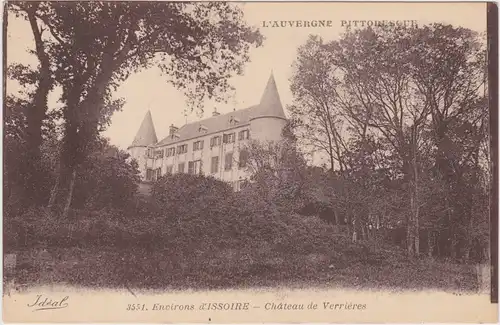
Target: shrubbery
x=194 y=231
x=187 y=215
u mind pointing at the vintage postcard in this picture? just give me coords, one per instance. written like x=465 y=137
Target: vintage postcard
x=250 y=162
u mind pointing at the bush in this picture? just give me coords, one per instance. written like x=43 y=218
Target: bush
x=183 y=196
x=106 y=181
x=193 y=232
x=187 y=213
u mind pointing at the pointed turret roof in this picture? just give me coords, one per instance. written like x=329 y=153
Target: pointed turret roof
x=270 y=103
x=146 y=134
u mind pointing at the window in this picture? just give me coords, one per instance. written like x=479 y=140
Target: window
x=242 y=162
x=228 y=138
x=215 y=165
x=228 y=162
x=170 y=169
x=158 y=174
x=170 y=152
x=194 y=167
x=197 y=166
x=150 y=153
x=198 y=145
x=180 y=168
x=149 y=174
x=244 y=135
x=215 y=141
x=158 y=153
x=153 y=174
x=183 y=148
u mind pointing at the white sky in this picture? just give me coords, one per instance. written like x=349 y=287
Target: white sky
x=149 y=90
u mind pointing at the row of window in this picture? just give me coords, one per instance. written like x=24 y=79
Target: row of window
x=195 y=167
x=154 y=174
x=198 y=145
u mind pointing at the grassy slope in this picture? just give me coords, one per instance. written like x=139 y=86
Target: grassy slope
x=354 y=267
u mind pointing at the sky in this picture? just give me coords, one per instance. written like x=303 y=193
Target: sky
x=149 y=90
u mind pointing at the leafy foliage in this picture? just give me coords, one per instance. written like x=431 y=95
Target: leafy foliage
x=401 y=113
x=183 y=196
x=89 y=49
x=108 y=179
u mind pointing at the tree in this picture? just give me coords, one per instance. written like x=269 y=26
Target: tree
x=455 y=92
x=278 y=171
x=110 y=180
x=98 y=45
x=316 y=109
x=409 y=117
x=36 y=105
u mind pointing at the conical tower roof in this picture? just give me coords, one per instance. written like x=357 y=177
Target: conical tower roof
x=146 y=134
x=270 y=103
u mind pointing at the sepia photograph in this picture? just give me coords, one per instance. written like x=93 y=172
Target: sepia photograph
x=235 y=162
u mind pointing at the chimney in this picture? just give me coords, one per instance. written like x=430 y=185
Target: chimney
x=215 y=113
x=172 y=130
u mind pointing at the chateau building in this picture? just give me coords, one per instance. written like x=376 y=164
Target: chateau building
x=212 y=146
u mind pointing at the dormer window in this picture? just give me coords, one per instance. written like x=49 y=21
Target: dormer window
x=202 y=128
x=172 y=130
x=234 y=120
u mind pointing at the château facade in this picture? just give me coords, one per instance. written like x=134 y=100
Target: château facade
x=212 y=146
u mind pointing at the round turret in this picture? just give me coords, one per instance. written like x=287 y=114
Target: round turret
x=269 y=119
x=145 y=137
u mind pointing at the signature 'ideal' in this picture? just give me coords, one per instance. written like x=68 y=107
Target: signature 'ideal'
x=46 y=303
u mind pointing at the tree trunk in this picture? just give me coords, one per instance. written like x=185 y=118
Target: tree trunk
x=430 y=242
x=453 y=246
x=68 y=161
x=438 y=239
x=337 y=221
x=467 y=249
x=365 y=230
x=412 y=231
x=351 y=226
x=414 y=200
x=409 y=237
x=54 y=192
x=469 y=240
x=35 y=114
x=70 y=194
x=416 y=230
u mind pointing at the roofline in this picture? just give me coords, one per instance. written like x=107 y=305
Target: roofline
x=208 y=133
x=268 y=116
x=141 y=146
